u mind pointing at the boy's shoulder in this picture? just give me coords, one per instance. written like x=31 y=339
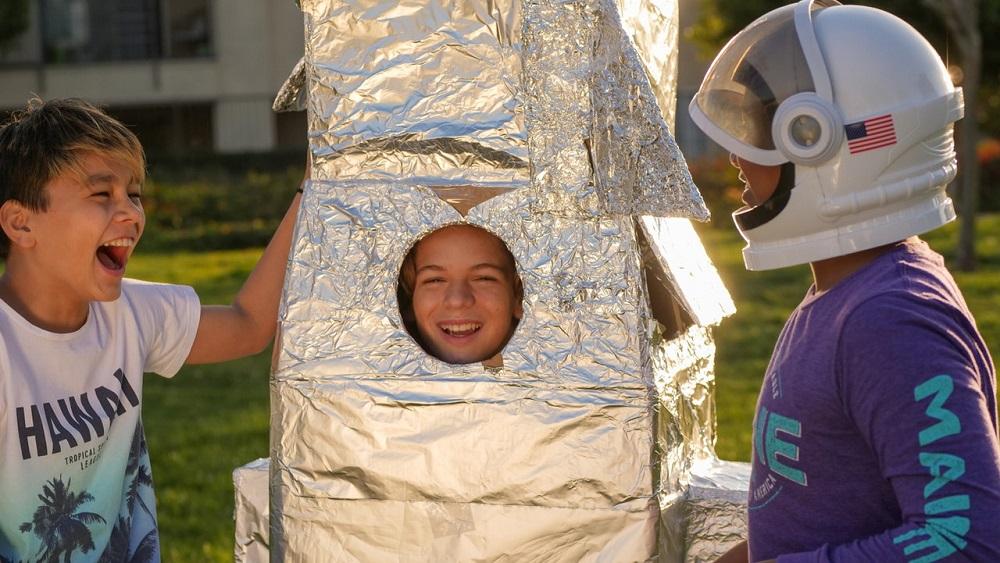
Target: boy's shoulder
x=906 y=286
x=911 y=272
x=158 y=304
x=138 y=292
x=911 y=299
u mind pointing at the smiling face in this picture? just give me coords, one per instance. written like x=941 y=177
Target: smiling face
x=466 y=294
x=76 y=249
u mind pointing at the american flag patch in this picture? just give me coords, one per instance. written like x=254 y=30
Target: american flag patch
x=871 y=134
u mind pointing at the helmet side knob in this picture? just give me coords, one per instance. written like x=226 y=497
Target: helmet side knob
x=807 y=129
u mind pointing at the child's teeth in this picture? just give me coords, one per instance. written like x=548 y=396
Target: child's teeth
x=119 y=242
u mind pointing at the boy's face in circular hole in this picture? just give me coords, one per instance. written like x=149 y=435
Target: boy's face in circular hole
x=466 y=296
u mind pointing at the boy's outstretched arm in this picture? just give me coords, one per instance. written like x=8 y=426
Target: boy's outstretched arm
x=247 y=326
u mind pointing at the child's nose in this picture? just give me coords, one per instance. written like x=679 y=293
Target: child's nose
x=128 y=209
x=459 y=294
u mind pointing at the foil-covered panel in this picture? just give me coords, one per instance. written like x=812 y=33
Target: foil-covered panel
x=689 y=271
x=437 y=96
x=448 y=439
x=250 y=484
x=685 y=387
x=536 y=121
x=558 y=47
x=427 y=92
x=638 y=166
x=599 y=143
x=716 y=509
x=654 y=28
x=366 y=530
x=581 y=284
x=292 y=94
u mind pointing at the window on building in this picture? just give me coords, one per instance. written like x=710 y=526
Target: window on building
x=94 y=30
x=169 y=129
x=82 y=31
x=187 y=28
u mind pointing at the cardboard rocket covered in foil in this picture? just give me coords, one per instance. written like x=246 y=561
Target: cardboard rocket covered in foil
x=543 y=122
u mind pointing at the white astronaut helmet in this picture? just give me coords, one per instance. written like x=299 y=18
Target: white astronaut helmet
x=857 y=107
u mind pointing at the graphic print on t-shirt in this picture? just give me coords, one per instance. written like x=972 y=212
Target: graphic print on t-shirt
x=64 y=526
x=46 y=429
x=775 y=448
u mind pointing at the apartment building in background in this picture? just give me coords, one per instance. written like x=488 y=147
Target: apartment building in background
x=200 y=75
x=186 y=75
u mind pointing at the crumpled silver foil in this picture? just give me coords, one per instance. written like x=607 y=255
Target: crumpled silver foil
x=250 y=483
x=427 y=92
x=653 y=29
x=640 y=168
x=292 y=95
x=535 y=120
x=599 y=142
x=715 y=511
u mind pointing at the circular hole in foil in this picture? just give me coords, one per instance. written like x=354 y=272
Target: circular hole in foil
x=460 y=296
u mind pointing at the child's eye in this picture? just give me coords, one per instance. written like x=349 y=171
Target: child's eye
x=432 y=280
x=135 y=197
x=486 y=278
x=101 y=194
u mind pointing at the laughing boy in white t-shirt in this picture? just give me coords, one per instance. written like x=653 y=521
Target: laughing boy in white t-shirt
x=75 y=483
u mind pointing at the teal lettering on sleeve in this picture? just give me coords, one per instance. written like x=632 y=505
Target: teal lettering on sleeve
x=940 y=536
x=944 y=536
x=945 y=468
x=940 y=386
x=778 y=447
x=947 y=504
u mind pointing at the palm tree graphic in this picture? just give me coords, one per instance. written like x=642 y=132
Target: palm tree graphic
x=118 y=552
x=60 y=524
x=141 y=477
x=149 y=548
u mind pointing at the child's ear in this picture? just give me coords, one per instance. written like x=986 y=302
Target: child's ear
x=14 y=219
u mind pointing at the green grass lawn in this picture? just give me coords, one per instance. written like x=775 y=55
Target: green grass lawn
x=211 y=419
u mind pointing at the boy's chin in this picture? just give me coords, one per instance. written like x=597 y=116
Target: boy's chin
x=463 y=357
x=459 y=356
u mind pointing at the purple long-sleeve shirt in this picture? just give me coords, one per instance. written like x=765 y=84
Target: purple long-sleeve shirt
x=875 y=437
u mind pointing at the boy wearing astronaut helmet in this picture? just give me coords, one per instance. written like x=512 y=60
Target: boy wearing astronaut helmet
x=875 y=436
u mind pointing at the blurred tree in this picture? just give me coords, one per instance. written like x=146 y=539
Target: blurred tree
x=945 y=23
x=13 y=22
x=961 y=19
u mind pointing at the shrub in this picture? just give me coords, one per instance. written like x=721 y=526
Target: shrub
x=221 y=202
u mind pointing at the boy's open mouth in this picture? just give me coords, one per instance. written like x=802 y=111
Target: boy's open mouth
x=460 y=329
x=114 y=254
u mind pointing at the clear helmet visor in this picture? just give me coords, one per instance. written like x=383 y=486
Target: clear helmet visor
x=758 y=69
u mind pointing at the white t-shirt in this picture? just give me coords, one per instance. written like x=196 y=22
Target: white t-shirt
x=74 y=470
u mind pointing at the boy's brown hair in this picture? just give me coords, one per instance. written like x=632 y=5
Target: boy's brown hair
x=46 y=139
